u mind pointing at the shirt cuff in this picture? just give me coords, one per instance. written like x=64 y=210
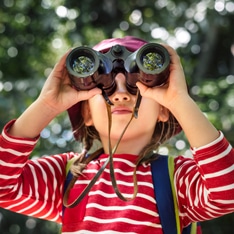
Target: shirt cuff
x=17 y=140
x=219 y=139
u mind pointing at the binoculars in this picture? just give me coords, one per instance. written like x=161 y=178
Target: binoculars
x=88 y=68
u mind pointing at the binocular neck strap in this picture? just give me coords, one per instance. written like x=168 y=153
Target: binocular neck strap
x=108 y=160
x=112 y=151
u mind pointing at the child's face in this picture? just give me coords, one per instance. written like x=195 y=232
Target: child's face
x=140 y=129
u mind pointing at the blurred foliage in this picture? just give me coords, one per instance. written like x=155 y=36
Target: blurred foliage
x=35 y=33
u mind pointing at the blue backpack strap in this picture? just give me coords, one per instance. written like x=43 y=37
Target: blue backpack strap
x=163 y=193
x=162 y=173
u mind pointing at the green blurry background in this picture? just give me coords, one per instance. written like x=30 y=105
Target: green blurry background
x=35 y=33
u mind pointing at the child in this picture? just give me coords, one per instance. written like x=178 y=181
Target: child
x=204 y=185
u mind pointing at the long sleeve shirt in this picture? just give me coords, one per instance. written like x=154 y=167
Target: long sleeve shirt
x=204 y=187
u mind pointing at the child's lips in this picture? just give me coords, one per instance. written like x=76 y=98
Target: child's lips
x=121 y=110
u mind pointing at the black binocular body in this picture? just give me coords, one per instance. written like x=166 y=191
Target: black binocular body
x=89 y=68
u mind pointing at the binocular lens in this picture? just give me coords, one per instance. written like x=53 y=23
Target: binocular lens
x=152 y=61
x=82 y=65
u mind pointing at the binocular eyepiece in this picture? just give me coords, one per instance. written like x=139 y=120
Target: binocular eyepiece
x=88 y=68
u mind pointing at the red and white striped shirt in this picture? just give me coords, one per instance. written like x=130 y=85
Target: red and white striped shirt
x=204 y=186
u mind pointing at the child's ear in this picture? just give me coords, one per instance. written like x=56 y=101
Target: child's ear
x=86 y=114
x=163 y=115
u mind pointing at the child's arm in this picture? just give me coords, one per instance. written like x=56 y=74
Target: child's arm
x=56 y=96
x=174 y=96
x=205 y=184
x=30 y=187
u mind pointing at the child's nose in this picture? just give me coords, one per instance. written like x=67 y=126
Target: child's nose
x=121 y=93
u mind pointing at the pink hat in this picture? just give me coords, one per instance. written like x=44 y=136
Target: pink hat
x=131 y=43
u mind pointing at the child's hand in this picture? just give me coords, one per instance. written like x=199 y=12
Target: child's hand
x=167 y=94
x=58 y=93
x=174 y=96
x=56 y=96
